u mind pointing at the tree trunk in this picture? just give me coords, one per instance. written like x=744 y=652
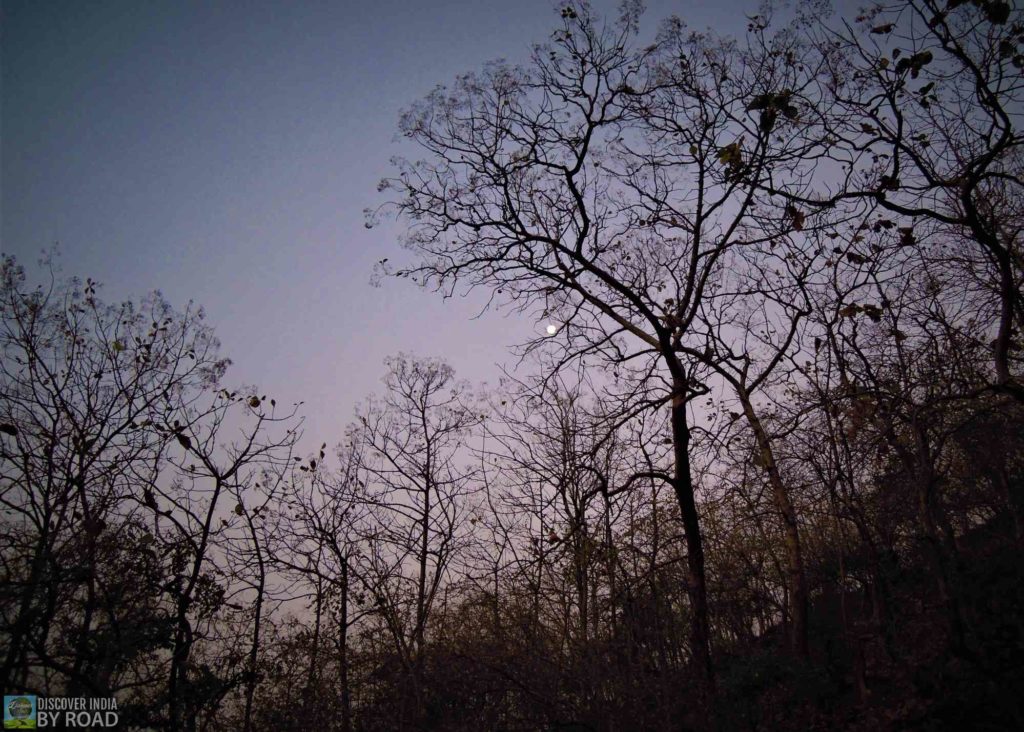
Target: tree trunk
x=179 y=661
x=346 y=699
x=23 y=620
x=796 y=577
x=314 y=651
x=682 y=483
x=938 y=556
x=252 y=677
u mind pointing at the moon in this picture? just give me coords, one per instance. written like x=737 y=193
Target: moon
x=552 y=329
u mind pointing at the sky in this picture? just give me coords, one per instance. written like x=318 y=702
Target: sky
x=224 y=152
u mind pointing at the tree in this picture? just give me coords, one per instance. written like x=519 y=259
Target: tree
x=611 y=188
x=410 y=442
x=920 y=106
x=113 y=461
x=319 y=534
x=83 y=386
x=190 y=517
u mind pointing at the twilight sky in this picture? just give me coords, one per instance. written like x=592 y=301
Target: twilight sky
x=223 y=152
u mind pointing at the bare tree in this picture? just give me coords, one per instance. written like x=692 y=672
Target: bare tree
x=920 y=116
x=84 y=385
x=411 y=442
x=224 y=444
x=606 y=188
x=319 y=534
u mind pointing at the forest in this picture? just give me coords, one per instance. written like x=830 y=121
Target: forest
x=761 y=468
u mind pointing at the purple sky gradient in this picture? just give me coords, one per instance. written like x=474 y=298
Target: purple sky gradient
x=224 y=152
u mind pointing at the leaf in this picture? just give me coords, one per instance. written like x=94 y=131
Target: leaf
x=919 y=61
x=730 y=154
x=879 y=30
x=254 y=402
x=239 y=510
x=761 y=101
x=117 y=346
x=184 y=441
x=9 y=429
x=873 y=312
x=770 y=105
x=798 y=220
x=997 y=12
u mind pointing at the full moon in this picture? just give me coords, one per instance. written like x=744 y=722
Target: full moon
x=552 y=328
